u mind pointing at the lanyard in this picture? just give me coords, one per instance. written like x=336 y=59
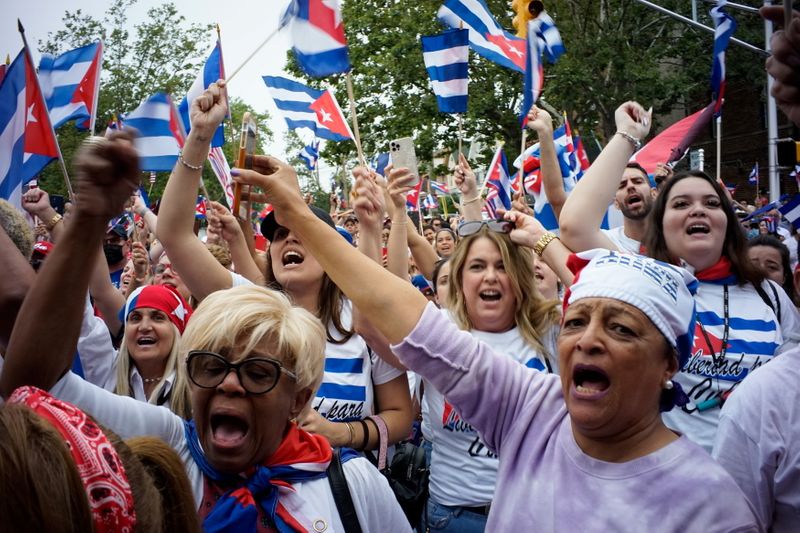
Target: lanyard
x=718 y=360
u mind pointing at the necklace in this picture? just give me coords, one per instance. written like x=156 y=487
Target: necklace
x=719 y=360
x=148 y=381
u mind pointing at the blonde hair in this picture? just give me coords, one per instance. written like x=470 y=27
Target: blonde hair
x=180 y=396
x=17 y=228
x=533 y=315
x=242 y=317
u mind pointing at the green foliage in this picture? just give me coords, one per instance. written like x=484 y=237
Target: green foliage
x=162 y=54
x=617 y=50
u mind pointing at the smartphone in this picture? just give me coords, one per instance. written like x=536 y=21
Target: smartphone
x=247 y=148
x=401 y=152
x=57 y=203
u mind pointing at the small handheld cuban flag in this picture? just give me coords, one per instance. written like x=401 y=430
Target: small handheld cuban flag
x=310 y=154
x=753 y=178
x=724 y=26
x=534 y=75
x=791 y=210
x=213 y=70
x=200 y=208
x=160 y=133
x=430 y=202
x=550 y=37
x=499 y=184
x=446 y=59
x=317 y=36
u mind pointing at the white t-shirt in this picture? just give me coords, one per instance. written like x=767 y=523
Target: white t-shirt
x=754 y=336
x=622 y=241
x=351 y=370
x=463 y=469
x=375 y=504
x=758 y=442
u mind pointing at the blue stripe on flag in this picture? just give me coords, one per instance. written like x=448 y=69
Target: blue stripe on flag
x=709 y=318
x=453 y=71
x=349 y=366
x=342 y=392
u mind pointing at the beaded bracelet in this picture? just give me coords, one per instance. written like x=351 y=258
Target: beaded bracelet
x=187 y=165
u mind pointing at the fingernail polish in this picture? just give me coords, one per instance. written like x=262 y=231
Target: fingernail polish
x=234 y=172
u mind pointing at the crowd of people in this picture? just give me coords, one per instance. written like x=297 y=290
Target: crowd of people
x=635 y=379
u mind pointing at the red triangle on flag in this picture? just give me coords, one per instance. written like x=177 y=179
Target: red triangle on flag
x=330 y=116
x=39 y=138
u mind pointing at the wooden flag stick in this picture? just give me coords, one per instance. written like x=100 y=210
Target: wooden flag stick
x=460 y=130
x=258 y=48
x=719 y=149
x=349 y=81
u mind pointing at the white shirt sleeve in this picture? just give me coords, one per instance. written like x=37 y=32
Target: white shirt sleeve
x=237 y=280
x=95 y=350
x=383 y=372
x=375 y=503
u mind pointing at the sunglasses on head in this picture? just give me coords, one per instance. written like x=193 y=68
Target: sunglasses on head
x=474 y=226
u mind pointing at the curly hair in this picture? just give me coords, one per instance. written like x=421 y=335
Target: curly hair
x=17 y=228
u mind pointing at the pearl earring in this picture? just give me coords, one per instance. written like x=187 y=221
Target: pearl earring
x=668 y=384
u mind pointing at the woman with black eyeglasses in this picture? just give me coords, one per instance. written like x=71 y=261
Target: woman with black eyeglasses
x=255 y=363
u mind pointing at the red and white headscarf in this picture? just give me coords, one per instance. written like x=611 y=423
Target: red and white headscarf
x=101 y=470
x=161 y=297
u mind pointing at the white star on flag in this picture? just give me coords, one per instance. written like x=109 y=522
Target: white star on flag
x=326 y=117
x=333 y=5
x=31 y=117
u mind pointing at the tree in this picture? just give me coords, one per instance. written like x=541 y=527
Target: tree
x=617 y=50
x=163 y=54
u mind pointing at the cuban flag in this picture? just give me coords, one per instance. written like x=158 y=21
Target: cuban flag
x=724 y=26
x=213 y=70
x=70 y=84
x=530 y=177
x=440 y=188
x=160 y=133
x=549 y=37
x=27 y=142
x=379 y=162
x=293 y=99
x=753 y=178
x=430 y=202
x=200 y=208
x=412 y=197
x=330 y=116
x=499 y=185
x=486 y=36
x=791 y=210
x=310 y=154
x=446 y=58
x=534 y=74
x=317 y=35
x=222 y=170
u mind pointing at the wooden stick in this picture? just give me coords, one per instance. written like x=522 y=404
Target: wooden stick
x=349 y=81
x=260 y=46
x=719 y=149
x=460 y=130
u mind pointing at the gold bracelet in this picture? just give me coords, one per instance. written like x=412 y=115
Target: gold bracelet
x=187 y=165
x=53 y=221
x=352 y=435
x=543 y=241
x=466 y=202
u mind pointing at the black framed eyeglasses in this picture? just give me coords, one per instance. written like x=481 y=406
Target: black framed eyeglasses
x=474 y=226
x=258 y=375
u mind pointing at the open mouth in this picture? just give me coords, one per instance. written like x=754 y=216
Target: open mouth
x=698 y=228
x=228 y=431
x=634 y=200
x=490 y=296
x=291 y=258
x=589 y=380
x=145 y=341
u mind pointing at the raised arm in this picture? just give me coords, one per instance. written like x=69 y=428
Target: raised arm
x=528 y=232
x=467 y=183
x=222 y=222
x=587 y=203
x=107 y=174
x=198 y=268
x=541 y=122
x=393 y=305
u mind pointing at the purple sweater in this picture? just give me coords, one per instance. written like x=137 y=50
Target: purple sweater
x=545 y=482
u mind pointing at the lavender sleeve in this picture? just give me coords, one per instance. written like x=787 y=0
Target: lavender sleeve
x=489 y=390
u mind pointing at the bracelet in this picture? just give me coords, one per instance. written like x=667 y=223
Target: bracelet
x=466 y=202
x=543 y=241
x=52 y=222
x=365 y=442
x=352 y=434
x=637 y=144
x=187 y=165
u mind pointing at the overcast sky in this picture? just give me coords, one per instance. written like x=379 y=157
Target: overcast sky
x=244 y=25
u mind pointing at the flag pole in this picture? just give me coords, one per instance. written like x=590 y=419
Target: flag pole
x=93 y=119
x=460 y=130
x=349 y=81
x=258 y=48
x=47 y=114
x=222 y=62
x=719 y=148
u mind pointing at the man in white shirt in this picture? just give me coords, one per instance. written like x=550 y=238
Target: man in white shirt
x=634 y=198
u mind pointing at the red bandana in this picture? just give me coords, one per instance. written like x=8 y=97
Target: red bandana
x=107 y=488
x=719 y=271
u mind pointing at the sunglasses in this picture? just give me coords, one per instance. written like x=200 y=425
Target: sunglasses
x=474 y=226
